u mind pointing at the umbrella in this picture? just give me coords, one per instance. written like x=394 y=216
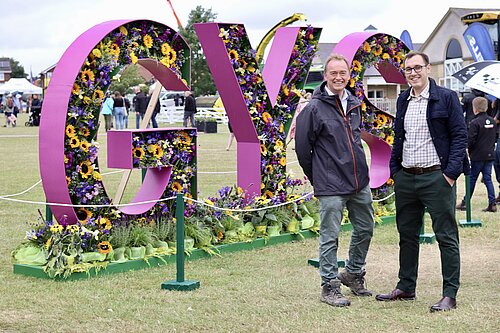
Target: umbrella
x=483 y=76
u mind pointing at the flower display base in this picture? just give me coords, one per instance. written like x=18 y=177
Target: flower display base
x=470 y=224
x=427 y=238
x=155 y=261
x=181 y=286
x=315 y=262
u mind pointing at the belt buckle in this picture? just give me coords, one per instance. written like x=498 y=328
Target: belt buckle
x=419 y=171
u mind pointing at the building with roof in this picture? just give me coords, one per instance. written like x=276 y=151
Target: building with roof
x=5 y=70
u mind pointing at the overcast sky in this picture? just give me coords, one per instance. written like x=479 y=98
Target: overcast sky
x=37 y=32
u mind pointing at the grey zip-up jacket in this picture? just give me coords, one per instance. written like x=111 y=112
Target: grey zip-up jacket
x=328 y=144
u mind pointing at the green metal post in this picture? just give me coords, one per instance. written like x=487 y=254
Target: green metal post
x=468 y=222
x=428 y=238
x=179 y=227
x=48 y=213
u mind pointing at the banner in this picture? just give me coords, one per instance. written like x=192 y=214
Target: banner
x=406 y=38
x=479 y=42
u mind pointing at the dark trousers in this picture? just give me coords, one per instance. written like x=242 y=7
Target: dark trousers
x=414 y=193
x=189 y=115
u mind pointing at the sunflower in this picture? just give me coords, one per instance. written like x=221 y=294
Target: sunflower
x=165 y=61
x=363 y=106
x=84 y=131
x=87 y=75
x=148 y=41
x=269 y=169
x=173 y=56
x=74 y=142
x=86 y=169
x=76 y=89
x=133 y=57
x=268 y=194
x=165 y=48
x=104 y=222
x=123 y=30
x=176 y=187
x=356 y=66
x=282 y=128
x=70 y=131
x=278 y=144
x=378 y=50
x=233 y=55
x=381 y=118
x=263 y=149
x=86 y=100
x=68 y=180
x=283 y=161
x=267 y=117
x=84 y=145
x=386 y=56
x=115 y=49
x=72 y=228
x=389 y=139
x=285 y=90
x=367 y=48
x=104 y=247
x=376 y=124
x=352 y=82
x=98 y=94
x=138 y=153
x=390 y=182
x=156 y=150
x=83 y=215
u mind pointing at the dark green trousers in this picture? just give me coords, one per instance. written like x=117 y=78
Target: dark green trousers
x=414 y=193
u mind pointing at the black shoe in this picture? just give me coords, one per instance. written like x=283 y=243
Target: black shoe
x=461 y=206
x=444 y=304
x=396 y=295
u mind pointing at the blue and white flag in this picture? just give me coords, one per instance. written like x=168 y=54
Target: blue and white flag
x=406 y=38
x=479 y=42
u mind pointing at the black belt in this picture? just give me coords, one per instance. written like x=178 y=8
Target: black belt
x=419 y=171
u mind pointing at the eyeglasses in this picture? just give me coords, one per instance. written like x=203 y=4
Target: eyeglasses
x=417 y=69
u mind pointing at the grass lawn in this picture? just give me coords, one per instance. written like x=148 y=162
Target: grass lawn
x=266 y=290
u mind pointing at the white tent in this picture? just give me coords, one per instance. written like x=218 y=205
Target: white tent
x=19 y=85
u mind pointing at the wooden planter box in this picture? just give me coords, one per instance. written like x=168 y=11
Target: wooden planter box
x=211 y=127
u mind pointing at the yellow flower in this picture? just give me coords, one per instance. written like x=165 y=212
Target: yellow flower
x=165 y=48
x=84 y=131
x=104 y=247
x=209 y=202
x=367 y=48
x=84 y=145
x=86 y=169
x=286 y=92
x=115 y=49
x=378 y=50
x=73 y=228
x=363 y=106
x=98 y=94
x=123 y=30
x=76 y=89
x=148 y=41
x=83 y=215
x=382 y=118
x=233 y=54
x=263 y=149
x=386 y=56
x=70 y=131
x=267 y=117
x=352 y=82
x=48 y=243
x=390 y=182
x=356 y=66
x=282 y=128
x=389 y=139
x=105 y=222
x=385 y=40
x=56 y=228
x=96 y=175
x=268 y=169
x=74 y=142
x=173 y=56
x=86 y=100
x=156 y=150
x=87 y=75
x=138 y=153
x=283 y=161
x=165 y=61
x=268 y=194
x=278 y=145
x=176 y=187
x=97 y=53
x=68 y=180
x=133 y=57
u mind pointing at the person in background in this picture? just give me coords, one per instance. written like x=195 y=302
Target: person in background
x=306 y=98
x=140 y=102
x=428 y=155
x=467 y=104
x=496 y=164
x=481 y=143
x=107 y=110
x=189 y=109
x=330 y=151
x=35 y=109
x=155 y=112
x=127 y=111
x=8 y=110
x=119 y=110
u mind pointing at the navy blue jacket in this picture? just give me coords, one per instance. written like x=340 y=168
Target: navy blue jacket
x=447 y=127
x=328 y=144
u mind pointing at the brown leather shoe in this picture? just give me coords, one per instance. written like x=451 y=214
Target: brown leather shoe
x=491 y=208
x=445 y=304
x=395 y=295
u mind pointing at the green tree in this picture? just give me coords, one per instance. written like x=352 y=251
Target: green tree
x=130 y=77
x=17 y=69
x=201 y=78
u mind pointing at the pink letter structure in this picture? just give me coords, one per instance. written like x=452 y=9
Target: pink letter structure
x=351 y=47
x=258 y=156
x=53 y=122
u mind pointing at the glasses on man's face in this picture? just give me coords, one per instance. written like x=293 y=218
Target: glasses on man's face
x=417 y=69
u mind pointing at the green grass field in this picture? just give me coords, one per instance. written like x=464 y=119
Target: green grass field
x=267 y=290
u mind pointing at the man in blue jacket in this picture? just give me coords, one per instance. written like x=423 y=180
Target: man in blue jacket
x=428 y=155
x=329 y=150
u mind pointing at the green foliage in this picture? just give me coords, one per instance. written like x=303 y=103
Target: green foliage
x=120 y=236
x=140 y=236
x=201 y=77
x=17 y=69
x=130 y=77
x=164 y=230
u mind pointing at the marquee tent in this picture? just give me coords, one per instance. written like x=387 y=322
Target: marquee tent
x=19 y=85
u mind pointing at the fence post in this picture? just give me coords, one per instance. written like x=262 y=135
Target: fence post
x=469 y=222
x=428 y=238
x=180 y=283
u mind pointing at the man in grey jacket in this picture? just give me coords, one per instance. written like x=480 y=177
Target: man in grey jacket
x=329 y=149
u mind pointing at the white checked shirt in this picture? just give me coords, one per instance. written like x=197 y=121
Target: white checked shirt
x=418 y=148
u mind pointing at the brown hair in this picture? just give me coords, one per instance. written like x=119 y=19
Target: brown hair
x=416 y=53
x=337 y=57
x=480 y=104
